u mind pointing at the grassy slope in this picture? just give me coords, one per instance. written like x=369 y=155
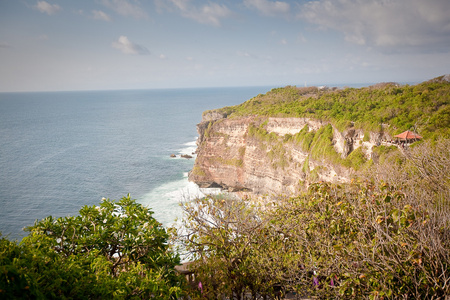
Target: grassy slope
x=423 y=107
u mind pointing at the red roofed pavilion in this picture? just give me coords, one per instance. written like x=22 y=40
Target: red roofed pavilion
x=408 y=136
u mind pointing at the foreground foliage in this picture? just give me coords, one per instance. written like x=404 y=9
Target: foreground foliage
x=114 y=250
x=384 y=237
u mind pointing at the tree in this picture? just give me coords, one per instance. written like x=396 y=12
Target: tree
x=237 y=249
x=114 y=250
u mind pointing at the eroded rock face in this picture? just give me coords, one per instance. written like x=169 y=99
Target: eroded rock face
x=230 y=156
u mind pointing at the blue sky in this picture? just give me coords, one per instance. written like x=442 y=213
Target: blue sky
x=57 y=45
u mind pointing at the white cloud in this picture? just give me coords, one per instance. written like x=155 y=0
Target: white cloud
x=162 y=56
x=213 y=13
x=180 y=4
x=100 y=15
x=45 y=7
x=412 y=24
x=126 y=8
x=126 y=46
x=268 y=8
x=210 y=14
x=243 y=54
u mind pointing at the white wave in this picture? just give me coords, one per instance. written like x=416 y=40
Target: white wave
x=189 y=148
x=165 y=199
x=191 y=144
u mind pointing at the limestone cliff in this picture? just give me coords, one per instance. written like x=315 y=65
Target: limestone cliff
x=234 y=155
x=280 y=142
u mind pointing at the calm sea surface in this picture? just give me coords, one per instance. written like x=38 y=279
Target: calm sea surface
x=62 y=150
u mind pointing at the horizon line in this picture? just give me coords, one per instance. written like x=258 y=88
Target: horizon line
x=355 y=84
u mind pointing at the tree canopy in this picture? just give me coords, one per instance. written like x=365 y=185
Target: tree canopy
x=113 y=250
x=424 y=107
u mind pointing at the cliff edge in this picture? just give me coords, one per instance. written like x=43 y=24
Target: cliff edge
x=280 y=142
x=262 y=156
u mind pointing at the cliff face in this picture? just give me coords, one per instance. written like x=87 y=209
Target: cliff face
x=245 y=147
x=260 y=155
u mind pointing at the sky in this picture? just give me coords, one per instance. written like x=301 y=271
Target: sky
x=66 y=45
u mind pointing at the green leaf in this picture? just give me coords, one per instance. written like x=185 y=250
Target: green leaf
x=395 y=215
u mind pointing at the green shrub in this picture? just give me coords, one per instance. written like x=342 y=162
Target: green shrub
x=366 y=137
x=425 y=105
x=116 y=250
x=356 y=159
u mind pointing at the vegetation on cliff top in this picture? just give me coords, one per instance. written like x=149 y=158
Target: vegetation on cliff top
x=424 y=107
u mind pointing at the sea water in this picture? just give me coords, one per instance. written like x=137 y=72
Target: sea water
x=60 y=151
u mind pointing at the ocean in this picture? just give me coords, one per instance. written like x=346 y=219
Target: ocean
x=60 y=151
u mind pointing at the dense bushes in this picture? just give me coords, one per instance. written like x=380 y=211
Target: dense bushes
x=424 y=107
x=116 y=250
x=384 y=237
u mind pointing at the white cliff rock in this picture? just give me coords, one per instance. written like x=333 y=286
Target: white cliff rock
x=231 y=158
